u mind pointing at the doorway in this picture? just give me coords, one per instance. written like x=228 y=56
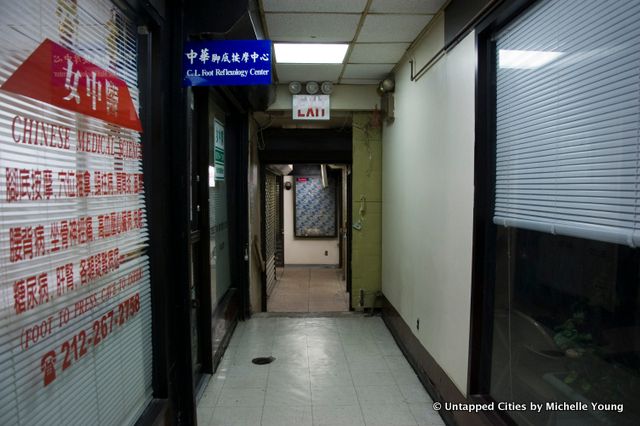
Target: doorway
x=217 y=137
x=305 y=237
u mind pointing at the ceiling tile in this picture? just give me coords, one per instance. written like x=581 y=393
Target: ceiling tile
x=380 y=53
x=388 y=28
x=308 y=72
x=309 y=27
x=359 y=81
x=333 y=6
x=406 y=6
x=367 y=71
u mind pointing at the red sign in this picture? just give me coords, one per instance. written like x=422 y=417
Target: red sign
x=57 y=76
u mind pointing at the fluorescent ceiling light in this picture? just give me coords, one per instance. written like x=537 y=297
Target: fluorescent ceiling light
x=313 y=53
x=525 y=59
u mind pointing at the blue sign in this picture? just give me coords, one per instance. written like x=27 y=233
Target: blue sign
x=226 y=63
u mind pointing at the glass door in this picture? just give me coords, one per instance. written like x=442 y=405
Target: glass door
x=194 y=239
x=218 y=218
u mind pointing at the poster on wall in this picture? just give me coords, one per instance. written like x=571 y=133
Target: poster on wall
x=75 y=317
x=315 y=208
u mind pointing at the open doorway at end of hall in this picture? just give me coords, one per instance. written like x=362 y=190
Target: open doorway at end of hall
x=305 y=237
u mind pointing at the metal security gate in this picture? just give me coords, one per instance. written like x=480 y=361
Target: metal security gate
x=279 y=223
x=271 y=228
x=75 y=314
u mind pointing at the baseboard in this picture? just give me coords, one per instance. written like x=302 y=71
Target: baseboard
x=224 y=320
x=156 y=414
x=433 y=378
x=311 y=266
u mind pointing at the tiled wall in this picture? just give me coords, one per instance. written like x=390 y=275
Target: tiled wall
x=305 y=251
x=316 y=208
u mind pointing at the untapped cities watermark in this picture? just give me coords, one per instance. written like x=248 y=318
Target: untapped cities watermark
x=530 y=406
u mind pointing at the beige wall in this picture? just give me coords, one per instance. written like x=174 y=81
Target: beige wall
x=305 y=251
x=367 y=195
x=345 y=97
x=428 y=160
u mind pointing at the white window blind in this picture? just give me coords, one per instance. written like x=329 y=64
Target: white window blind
x=75 y=311
x=568 y=121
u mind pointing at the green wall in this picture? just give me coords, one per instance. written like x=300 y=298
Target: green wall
x=367 y=182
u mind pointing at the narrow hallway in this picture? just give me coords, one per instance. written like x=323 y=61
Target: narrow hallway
x=328 y=371
x=301 y=289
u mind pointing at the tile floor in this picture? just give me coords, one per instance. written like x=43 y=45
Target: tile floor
x=329 y=371
x=309 y=290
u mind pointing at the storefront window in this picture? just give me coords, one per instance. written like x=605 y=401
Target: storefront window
x=75 y=296
x=566 y=314
x=218 y=217
x=567 y=328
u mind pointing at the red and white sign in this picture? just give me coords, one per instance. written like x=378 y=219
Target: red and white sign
x=57 y=76
x=75 y=303
x=311 y=107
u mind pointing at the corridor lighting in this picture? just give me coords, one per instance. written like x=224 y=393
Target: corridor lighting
x=295 y=53
x=212 y=177
x=525 y=59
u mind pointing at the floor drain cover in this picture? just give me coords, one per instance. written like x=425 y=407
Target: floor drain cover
x=263 y=360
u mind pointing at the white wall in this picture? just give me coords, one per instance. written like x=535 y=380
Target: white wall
x=305 y=251
x=428 y=155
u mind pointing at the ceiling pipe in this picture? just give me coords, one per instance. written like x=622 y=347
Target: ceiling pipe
x=280 y=169
x=338 y=166
x=488 y=8
x=323 y=173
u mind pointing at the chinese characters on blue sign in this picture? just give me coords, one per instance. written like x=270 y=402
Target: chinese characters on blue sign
x=226 y=63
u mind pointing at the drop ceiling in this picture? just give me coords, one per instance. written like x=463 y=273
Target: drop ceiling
x=378 y=32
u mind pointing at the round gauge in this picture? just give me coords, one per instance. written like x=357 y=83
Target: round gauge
x=388 y=85
x=295 y=87
x=312 y=87
x=327 y=87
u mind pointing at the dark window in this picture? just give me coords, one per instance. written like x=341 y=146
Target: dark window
x=566 y=303
x=566 y=327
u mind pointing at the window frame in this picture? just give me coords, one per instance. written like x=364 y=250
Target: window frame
x=484 y=246
x=484 y=230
